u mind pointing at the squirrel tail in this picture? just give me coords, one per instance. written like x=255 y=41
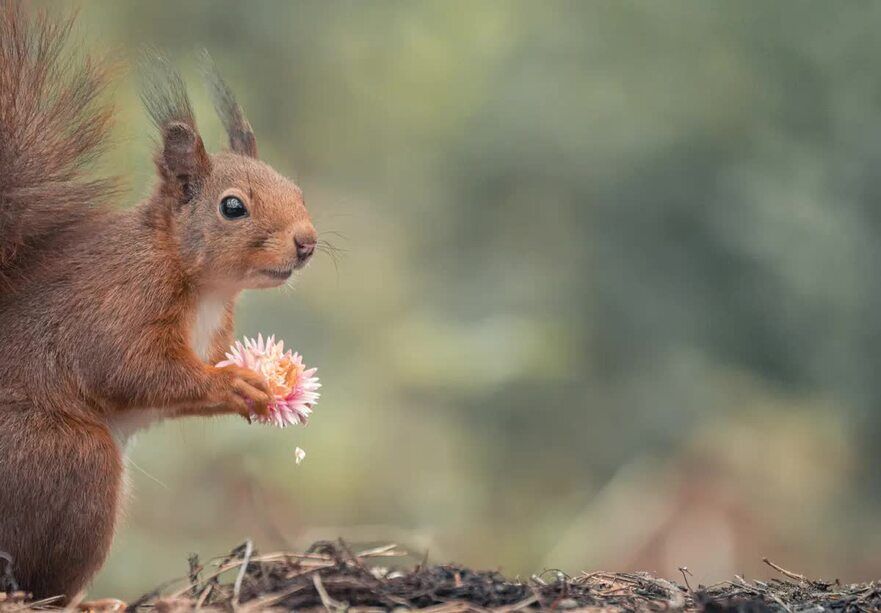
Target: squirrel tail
x=52 y=126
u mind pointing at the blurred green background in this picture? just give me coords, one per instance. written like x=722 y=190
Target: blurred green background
x=609 y=297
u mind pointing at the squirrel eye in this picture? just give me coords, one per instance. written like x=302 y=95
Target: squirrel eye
x=233 y=208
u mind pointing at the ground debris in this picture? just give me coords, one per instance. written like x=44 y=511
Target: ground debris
x=330 y=576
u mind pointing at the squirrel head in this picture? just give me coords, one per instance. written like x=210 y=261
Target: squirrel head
x=237 y=223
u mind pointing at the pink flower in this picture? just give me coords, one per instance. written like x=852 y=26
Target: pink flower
x=293 y=386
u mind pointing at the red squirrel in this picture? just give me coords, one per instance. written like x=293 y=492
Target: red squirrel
x=110 y=318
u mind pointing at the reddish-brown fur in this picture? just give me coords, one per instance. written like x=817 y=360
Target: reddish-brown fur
x=101 y=309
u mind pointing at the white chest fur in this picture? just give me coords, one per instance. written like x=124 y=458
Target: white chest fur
x=210 y=311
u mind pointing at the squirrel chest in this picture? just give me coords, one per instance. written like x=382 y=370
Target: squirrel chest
x=208 y=318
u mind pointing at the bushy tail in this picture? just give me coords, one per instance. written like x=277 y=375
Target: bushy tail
x=51 y=127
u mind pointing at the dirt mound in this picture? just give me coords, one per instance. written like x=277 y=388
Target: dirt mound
x=331 y=576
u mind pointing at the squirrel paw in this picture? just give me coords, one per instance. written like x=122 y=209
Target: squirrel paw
x=245 y=391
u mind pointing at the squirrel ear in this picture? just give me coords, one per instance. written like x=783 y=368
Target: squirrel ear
x=241 y=136
x=183 y=160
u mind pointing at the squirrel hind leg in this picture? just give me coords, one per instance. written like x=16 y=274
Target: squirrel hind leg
x=59 y=494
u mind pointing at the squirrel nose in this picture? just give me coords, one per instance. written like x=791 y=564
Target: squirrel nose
x=305 y=247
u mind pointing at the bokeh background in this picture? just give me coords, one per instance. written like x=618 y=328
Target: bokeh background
x=608 y=290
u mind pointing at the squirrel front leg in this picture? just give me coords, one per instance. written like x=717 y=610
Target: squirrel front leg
x=160 y=373
x=239 y=390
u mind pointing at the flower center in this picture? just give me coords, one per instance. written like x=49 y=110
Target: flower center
x=282 y=375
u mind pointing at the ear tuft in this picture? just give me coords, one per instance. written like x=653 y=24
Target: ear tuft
x=241 y=135
x=163 y=91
